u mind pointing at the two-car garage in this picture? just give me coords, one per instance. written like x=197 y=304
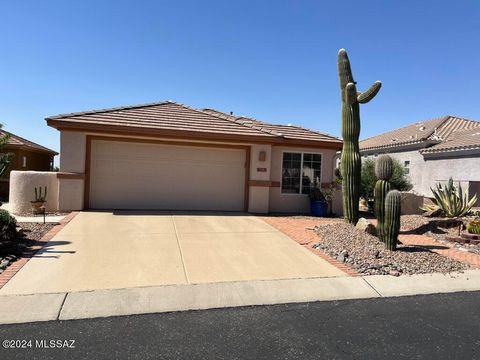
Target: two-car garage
x=165 y=176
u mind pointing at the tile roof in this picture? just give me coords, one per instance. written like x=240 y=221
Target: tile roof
x=434 y=131
x=463 y=139
x=285 y=131
x=18 y=141
x=172 y=116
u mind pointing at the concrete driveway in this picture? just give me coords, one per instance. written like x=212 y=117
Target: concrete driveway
x=105 y=250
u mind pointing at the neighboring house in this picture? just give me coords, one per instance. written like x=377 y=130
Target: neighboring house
x=168 y=156
x=27 y=156
x=433 y=151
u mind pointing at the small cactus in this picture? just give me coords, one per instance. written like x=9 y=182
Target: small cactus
x=384 y=167
x=39 y=195
x=473 y=227
x=392 y=219
x=383 y=171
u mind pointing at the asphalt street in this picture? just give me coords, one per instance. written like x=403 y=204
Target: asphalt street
x=444 y=326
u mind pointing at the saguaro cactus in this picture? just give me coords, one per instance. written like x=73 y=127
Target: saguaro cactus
x=392 y=219
x=350 y=161
x=383 y=171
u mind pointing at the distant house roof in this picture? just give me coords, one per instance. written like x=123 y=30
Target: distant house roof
x=460 y=140
x=435 y=132
x=16 y=141
x=172 y=119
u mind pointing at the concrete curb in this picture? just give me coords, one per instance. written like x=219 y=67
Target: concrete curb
x=118 y=302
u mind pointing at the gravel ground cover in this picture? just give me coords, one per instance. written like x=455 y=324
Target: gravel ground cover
x=32 y=232
x=368 y=256
x=432 y=227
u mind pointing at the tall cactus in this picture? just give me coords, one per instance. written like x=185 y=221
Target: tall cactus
x=392 y=219
x=383 y=171
x=350 y=161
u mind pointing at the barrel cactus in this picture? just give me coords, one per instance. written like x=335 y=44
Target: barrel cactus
x=392 y=219
x=350 y=161
x=383 y=171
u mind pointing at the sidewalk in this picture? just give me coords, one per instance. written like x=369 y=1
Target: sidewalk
x=105 y=303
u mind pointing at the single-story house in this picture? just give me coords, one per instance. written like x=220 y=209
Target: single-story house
x=27 y=155
x=433 y=151
x=169 y=156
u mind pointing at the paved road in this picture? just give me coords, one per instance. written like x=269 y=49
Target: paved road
x=421 y=327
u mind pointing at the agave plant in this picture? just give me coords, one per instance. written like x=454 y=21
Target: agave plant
x=452 y=201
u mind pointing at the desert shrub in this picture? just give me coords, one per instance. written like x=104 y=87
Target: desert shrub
x=399 y=180
x=8 y=226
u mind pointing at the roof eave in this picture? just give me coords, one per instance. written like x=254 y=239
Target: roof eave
x=30 y=148
x=64 y=125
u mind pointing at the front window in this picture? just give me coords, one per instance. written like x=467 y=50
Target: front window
x=407 y=167
x=299 y=171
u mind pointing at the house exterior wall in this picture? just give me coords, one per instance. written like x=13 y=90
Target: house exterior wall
x=264 y=193
x=428 y=170
x=72 y=160
x=297 y=203
x=417 y=172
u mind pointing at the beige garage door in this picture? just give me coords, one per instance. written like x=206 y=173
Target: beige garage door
x=127 y=175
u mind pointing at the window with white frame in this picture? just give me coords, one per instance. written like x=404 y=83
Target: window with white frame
x=299 y=171
x=406 y=165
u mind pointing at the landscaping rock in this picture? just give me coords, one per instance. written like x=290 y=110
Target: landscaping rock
x=4 y=263
x=365 y=225
x=368 y=256
x=20 y=232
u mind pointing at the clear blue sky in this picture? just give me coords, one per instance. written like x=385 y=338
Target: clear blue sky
x=275 y=61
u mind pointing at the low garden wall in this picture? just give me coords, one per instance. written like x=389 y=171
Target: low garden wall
x=22 y=190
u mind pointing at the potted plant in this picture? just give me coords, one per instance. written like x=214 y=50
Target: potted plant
x=318 y=201
x=38 y=205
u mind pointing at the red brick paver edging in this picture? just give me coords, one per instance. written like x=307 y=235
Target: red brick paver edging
x=445 y=249
x=15 y=267
x=301 y=230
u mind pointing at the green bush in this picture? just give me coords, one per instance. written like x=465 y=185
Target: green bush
x=8 y=226
x=399 y=179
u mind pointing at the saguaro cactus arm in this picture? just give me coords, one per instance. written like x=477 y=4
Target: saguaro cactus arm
x=368 y=95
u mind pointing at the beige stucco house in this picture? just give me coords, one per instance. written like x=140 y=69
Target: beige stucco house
x=168 y=156
x=432 y=151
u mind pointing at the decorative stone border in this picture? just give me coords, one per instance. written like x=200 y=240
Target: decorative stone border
x=15 y=267
x=301 y=230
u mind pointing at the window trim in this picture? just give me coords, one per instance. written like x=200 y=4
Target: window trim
x=301 y=170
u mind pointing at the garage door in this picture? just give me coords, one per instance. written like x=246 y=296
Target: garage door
x=127 y=175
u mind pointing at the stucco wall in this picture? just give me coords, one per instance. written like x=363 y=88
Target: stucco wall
x=258 y=196
x=22 y=190
x=72 y=151
x=417 y=169
x=296 y=203
x=70 y=194
x=425 y=172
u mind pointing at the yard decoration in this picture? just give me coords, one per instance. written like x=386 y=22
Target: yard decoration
x=392 y=219
x=39 y=202
x=451 y=200
x=383 y=171
x=350 y=160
